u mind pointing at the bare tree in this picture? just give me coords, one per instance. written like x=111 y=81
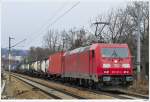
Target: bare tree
x=133 y=12
x=52 y=42
x=74 y=38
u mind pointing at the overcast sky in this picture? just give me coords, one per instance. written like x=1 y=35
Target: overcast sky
x=30 y=19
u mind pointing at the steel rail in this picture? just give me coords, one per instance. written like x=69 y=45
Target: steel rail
x=53 y=93
x=3 y=86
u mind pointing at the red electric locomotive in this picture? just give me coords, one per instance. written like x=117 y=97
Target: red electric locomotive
x=101 y=64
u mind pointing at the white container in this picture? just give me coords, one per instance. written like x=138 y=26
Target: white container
x=46 y=65
x=43 y=66
x=32 y=66
x=22 y=67
x=38 y=66
x=35 y=66
x=27 y=66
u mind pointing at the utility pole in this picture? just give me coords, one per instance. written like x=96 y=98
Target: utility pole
x=97 y=23
x=9 y=55
x=138 y=45
x=9 y=52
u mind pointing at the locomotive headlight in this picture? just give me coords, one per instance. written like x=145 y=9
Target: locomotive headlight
x=126 y=65
x=106 y=65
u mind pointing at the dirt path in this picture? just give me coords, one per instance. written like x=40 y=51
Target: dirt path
x=141 y=87
x=20 y=90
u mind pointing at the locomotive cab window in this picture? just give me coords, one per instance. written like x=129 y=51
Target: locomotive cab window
x=115 y=52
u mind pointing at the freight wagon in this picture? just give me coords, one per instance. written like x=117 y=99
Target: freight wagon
x=55 y=64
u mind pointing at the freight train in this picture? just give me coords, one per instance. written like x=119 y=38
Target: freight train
x=96 y=65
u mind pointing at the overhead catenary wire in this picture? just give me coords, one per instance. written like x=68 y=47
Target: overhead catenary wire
x=46 y=23
x=59 y=17
x=18 y=43
x=65 y=13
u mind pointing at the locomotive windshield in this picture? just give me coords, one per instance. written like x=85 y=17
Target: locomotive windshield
x=115 y=52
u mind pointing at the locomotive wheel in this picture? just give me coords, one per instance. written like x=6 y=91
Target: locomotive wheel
x=98 y=86
x=80 y=82
x=90 y=84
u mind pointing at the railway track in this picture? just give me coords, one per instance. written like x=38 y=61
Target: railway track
x=55 y=93
x=119 y=94
x=116 y=94
x=130 y=94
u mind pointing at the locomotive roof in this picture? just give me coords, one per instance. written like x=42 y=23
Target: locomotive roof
x=108 y=45
x=93 y=46
x=77 y=50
